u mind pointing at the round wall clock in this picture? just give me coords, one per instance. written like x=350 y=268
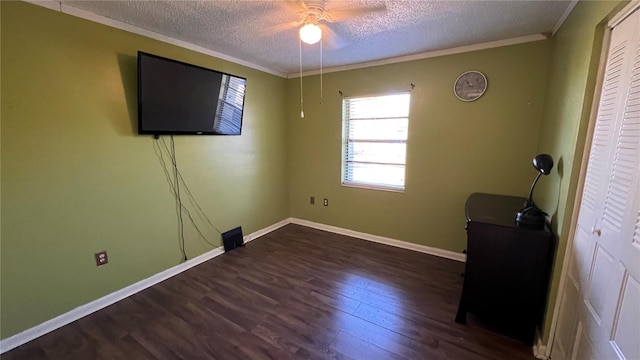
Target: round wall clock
x=469 y=86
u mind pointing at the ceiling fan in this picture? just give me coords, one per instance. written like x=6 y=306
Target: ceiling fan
x=315 y=16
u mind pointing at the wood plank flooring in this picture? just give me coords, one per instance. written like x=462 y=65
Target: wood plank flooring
x=296 y=293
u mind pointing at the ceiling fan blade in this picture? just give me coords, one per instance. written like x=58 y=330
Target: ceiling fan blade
x=270 y=30
x=296 y=6
x=331 y=39
x=336 y=15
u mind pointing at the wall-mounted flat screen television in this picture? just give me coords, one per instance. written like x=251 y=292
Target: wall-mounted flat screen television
x=176 y=98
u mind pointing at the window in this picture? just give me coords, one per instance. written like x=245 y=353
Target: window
x=228 y=118
x=375 y=141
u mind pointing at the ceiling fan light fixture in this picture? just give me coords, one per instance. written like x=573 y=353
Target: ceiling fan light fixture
x=310 y=33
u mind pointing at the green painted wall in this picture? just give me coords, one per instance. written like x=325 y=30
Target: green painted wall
x=454 y=148
x=76 y=179
x=569 y=96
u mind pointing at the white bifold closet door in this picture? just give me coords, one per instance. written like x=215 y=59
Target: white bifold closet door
x=599 y=316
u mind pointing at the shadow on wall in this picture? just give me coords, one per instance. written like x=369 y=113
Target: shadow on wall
x=553 y=213
x=129 y=72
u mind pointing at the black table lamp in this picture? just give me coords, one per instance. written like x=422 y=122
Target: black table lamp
x=531 y=215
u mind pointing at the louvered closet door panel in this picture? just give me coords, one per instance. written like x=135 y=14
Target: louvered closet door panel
x=600 y=301
x=615 y=225
x=625 y=179
x=600 y=153
x=597 y=262
x=570 y=335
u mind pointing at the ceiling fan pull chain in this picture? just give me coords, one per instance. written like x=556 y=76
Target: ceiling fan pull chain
x=301 y=94
x=321 y=71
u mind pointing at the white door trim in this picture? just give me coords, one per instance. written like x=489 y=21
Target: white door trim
x=580 y=187
x=617 y=19
x=623 y=14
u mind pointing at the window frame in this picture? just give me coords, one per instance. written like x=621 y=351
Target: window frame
x=345 y=142
x=229 y=101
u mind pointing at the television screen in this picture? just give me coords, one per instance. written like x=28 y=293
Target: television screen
x=184 y=99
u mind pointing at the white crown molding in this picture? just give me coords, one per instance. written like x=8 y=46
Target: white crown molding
x=564 y=16
x=58 y=6
x=49 y=4
x=382 y=240
x=427 y=55
x=69 y=10
x=100 y=303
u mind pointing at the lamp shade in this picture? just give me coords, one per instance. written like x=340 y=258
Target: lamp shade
x=531 y=215
x=543 y=163
x=310 y=33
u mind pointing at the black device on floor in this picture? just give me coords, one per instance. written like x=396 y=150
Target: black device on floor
x=232 y=239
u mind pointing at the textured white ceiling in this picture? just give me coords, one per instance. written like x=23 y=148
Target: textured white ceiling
x=263 y=32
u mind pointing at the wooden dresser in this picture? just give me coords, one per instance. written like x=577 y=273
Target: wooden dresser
x=507 y=270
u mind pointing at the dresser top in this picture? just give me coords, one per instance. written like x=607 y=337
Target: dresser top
x=493 y=209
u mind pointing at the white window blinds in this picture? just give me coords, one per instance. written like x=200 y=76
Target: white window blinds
x=375 y=141
x=228 y=118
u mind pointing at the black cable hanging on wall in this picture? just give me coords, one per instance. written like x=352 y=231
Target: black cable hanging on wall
x=178 y=198
x=175 y=187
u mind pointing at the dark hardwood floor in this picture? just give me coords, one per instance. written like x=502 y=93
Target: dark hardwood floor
x=296 y=293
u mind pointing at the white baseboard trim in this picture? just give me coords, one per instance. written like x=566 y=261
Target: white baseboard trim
x=100 y=303
x=382 y=240
x=268 y=229
x=539 y=350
